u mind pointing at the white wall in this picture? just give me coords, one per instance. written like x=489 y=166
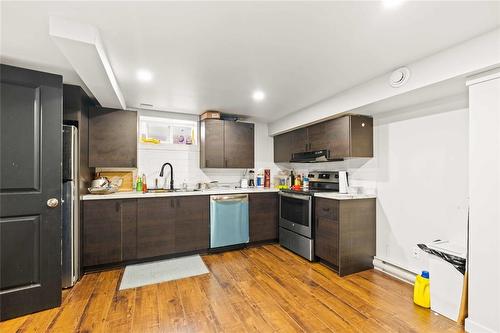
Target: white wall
x=422 y=183
x=484 y=230
x=186 y=159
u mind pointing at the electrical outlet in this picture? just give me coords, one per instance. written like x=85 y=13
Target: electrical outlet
x=415 y=252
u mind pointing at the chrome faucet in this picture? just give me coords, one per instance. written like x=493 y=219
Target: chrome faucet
x=171 y=174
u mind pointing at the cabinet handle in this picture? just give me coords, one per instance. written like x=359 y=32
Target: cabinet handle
x=225 y=163
x=326 y=209
x=206 y=163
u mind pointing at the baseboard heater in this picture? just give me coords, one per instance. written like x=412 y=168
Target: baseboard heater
x=393 y=270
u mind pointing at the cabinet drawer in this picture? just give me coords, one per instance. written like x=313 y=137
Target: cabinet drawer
x=327 y=208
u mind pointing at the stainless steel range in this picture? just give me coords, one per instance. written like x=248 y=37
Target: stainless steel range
x=297 y=213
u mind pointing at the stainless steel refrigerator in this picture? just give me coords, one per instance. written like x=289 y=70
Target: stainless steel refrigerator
x=70 y=208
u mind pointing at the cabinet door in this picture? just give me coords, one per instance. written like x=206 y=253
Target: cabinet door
x=288 y=143
x=326 y=244
x=102 y=232
x=282 y=151
x=316 y=137
x=129 y=229
x=192 y=230
x=337 y=136
x=238 y=145
x=155 y=227
x=327 y=239
x=112 y=138
x=263 y=215
x=212 y=143
x=361 y=136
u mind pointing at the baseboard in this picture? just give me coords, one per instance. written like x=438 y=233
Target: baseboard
x=473 y=327
x=394 y=271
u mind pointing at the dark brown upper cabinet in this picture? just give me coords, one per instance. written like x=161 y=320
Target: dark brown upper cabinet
x=112 y=138
x=288 y=143
x=226 y=144
x=348 y=136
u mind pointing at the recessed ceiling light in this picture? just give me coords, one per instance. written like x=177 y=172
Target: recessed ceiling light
x=144 y=75
x=258 y=95
x=391 y=3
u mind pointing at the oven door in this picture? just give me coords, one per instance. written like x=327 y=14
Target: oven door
x=296 y=213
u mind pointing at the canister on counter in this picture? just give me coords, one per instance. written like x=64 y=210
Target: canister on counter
x=267 y=178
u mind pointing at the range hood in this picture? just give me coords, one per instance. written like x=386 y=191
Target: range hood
x=314 y=156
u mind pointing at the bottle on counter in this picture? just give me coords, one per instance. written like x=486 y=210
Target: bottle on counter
x=292 y=178
x=298 y=180
x=144 y=184
x=138 y=186
x=260 y=180
x=305 y=183
x=267 y=178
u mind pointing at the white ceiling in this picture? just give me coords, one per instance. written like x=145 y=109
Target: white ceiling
x=213 y=55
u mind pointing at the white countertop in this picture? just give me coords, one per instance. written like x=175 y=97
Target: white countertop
x=339 y=196
x=133 y=195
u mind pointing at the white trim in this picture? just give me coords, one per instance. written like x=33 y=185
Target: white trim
x=483 y=77
x=474 y=327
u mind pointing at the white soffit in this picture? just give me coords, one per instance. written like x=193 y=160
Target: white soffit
x=82 y=46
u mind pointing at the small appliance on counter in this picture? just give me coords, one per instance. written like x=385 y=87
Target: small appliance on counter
x=296 y=213
x=102 y=185
x=251 y=178
x=343 y=182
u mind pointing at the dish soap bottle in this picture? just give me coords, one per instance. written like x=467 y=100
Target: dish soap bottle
x=421 y=291
x=138 y=187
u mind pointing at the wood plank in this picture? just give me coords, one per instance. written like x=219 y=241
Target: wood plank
x=93 y=318
x=69 y=316
x=121 y=312
x=146 y=310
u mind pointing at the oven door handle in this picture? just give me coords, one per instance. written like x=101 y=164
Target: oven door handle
x=296 y=196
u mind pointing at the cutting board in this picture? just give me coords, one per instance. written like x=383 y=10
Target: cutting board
x=126 y=176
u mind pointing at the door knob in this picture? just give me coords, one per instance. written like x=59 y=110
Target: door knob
x=52 y=203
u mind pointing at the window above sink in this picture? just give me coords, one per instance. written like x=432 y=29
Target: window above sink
x=161 y=133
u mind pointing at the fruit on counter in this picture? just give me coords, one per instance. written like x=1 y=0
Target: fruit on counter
x=296 y=187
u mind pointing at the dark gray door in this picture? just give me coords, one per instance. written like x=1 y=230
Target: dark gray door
x=30 y=182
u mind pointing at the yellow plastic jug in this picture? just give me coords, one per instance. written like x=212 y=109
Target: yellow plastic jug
x=421 y=290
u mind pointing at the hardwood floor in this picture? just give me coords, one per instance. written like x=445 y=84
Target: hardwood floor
x=261 y=289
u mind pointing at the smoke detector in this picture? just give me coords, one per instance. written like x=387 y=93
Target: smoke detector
x=399 y=77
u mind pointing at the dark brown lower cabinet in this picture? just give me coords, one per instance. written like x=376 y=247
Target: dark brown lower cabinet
x=192 y=226
x=345 y=234
x=155 y=227
x=263 y=216
x=107 y=224
x=116 y=231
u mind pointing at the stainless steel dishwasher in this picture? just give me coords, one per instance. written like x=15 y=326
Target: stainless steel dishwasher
x=228 y=220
